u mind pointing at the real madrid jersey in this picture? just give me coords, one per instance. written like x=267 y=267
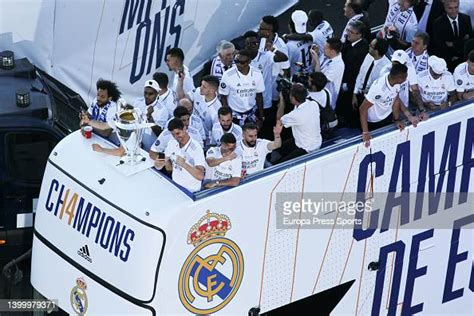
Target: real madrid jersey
x=299 y=54
x=241 y=90
x=253 y=158
x=217 y=133
x=225 y=170
x=435 y=90
x=463 y=80
x=382 y=95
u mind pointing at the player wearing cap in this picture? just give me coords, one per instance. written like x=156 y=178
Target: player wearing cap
x=254 y=150
x=436 y=83
x=464 y=78
x=382 y=100
x=174 y=60
x=242 y=88
x=224 y=126
x=224 y=59
x=299 y=51
x=184 y=158
x=101 y=113
x=224 y=166
x=155 y=112
x=166 y=97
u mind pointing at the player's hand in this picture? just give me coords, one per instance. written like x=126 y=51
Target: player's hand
x=366 y=138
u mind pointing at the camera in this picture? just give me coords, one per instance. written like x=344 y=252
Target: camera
x=283 y=84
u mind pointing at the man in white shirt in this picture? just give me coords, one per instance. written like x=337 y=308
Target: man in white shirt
x=382 y=100
x=154 y=111
x=195 y=120
x=184 y=158
x=298 y=51
x=317 y=82
x=101 y=113
x=224 y=166
x=304 y=122
x=242 y=88
x=174 y=60
x=464 y=78
x=166 y=97
x=254 y=150
x=206 y=103
x=164 y=138
x=400 y=25
x=224 y=126
x=331 y=65
x=436 y=83
x=418 y=52
x=370 y=70
x=224 y=59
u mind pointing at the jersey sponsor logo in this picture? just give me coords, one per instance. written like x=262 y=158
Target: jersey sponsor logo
x=459 y=82
x=154 y=33
x=223 y=85
x=78 y=297
x=213 y=271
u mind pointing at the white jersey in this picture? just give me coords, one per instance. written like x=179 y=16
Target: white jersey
x=305 y=125
x=241 y=90
x=165 y=137
x=299 y=52
x=193 y=154
x=279 y=44
x=253 y=158
x=207 y=111
x=435 y=91
x=225 y=170
x=218 y=131
x=188 y=84
x=321 y=34
x=168 y=100
x=412 y=79
x=218 y=68
x=264 y=62
x=333 y=69
x=419 y=62
x=463 y=80
x=382 y=95
x=104 y=114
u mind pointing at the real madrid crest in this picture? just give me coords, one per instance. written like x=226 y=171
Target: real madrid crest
x=213 y=271
x=78 y=297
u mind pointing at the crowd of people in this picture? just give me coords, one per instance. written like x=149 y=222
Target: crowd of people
x=232 y=124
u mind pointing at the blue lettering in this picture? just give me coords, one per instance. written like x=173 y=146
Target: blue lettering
x=104 y=241
x=81 y=218
x=100 y=227
x=117 y=237
x=158 y=40
x=454 y=258
x=134 y=76
x=426 y=162
x=379 y=160
x=467 y=161
x=54 y=183
x=176 y=29
x=59 y=201
x=399 y=248
x=94 y=220
x=132 y=7
x=414 y=272
x=129 y=235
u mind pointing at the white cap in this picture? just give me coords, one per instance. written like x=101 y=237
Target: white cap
x=438 y=65
x=152 y=84
x=401 y=56
x=299 y=18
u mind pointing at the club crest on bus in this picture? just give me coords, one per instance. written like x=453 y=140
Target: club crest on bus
x=78 y=297
x=212 y=273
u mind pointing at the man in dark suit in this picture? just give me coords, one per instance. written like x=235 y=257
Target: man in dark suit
x=451 y=31
x=427 y=11
x=353 y=53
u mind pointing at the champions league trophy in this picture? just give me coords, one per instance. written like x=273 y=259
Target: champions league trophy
x=130 y=124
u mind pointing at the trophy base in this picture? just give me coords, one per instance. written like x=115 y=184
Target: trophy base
x=132 y=160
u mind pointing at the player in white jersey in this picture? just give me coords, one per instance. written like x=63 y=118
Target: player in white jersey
x=224 y=166
x=166 y=96
x=436 y=83
x=206 y=103
x=174 y=60
x=163 y=139
x=418 y=52
x=224 y=59
x=400 y=24
x=299 y=51
x=242 y=88
x=154 y=111
x=382 y=100
x=184 y=158
x=464 y=78
x=254 y=150
x=224 y=126
x=101 y=113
